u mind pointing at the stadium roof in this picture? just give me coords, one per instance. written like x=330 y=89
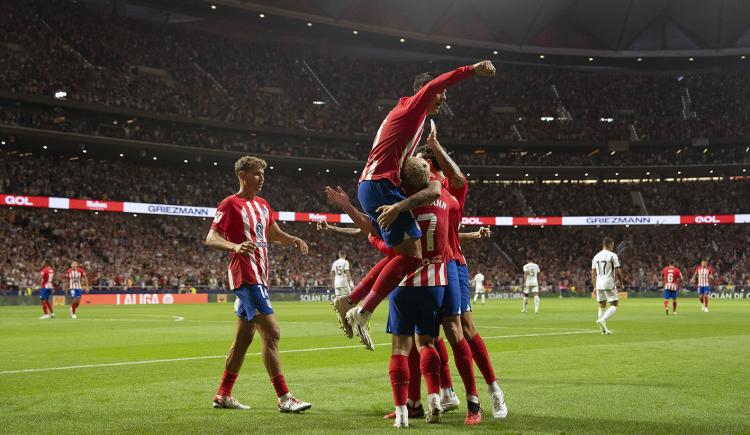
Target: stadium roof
x=610 y=28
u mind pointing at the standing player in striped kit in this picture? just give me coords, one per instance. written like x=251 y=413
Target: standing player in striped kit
x=46 y=289
x=703 y=276
x=379 y=185
x=672 y=277
x=77 y=281
x=244 y=226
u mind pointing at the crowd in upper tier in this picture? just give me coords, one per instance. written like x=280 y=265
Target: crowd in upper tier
x=53 y=46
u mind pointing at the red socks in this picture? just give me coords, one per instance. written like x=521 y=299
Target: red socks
x=445 y=371
x=279 y=384
x=429 y=362
x=363 y=288
x=674 y=306
x=227 y=382
x=390 y=277
x=705 y=302
x=666 y=304
x=462 y=357
x=415 y=373
x=399 y=373
x=74 y=306
x=482 y=358
x=49 y=306
x=44 y=306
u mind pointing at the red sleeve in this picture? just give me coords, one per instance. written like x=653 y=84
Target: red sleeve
x=381 y=246
x=221 y=219
x=424 y=96
x=459 y=193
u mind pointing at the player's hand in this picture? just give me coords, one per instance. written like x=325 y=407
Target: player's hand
x=245 y=247
x=337 y=197
x=484 y=68
x=322 y=226
x=432 y=141
x=387 y=215
x=302 y=246
x=484 y=232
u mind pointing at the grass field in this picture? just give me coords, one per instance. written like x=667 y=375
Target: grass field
x=155 y=369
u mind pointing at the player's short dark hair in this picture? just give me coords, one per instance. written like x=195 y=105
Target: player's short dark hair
x=248 y=162
x=342 y=253
x=428 y=154
x=423 y=79
x=608 y=241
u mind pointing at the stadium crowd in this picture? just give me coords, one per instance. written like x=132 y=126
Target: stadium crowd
x=59 y=46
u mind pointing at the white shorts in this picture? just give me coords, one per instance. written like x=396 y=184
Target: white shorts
x=531 y=289
x=607 y=295
x=479 y=291
x=341 y=291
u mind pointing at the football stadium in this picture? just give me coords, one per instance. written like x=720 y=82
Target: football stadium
x=339 y=216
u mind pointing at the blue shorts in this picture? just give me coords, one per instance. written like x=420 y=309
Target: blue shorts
x=704 y=290
x=76 y=293
x=373 y=194
x=45 y=293
x=252 y=298
x=415 y=309
x=452 y=296
x=670 y=294
x=463 y=281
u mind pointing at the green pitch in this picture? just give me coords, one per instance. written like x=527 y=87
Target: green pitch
x=155 y=369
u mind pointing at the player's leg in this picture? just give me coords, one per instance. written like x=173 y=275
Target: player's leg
x=706 y=297
x=666 y=301
x=483 y=297
x=74 y=307
x=674 y=302
x=601 y=298
x=401 y=323
x=342 y=304
x=446 y=381
x=478 y=349
x=525 y=302
x=43 y=301
x=428 y=305
x=232 y=365
x=462 y=356
x=414 y=396
x=613 y=301
x=536 y=302
x=270 y=332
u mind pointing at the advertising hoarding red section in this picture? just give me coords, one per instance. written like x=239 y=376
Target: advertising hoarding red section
x=144 y=299
x=24 y=201
x=537 y=221
x=88 y=204
x=708 y=219
x=478 y=220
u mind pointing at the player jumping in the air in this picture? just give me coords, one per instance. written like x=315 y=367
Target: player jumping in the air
x=379 y=185
x=530 y=284
x=478 y=286
x=77 y=282
x=605 y=275
x=455 y=183
x=672 y=278
x=703 y=276
x=341 y=277
x=46 y=289
x=245 y=227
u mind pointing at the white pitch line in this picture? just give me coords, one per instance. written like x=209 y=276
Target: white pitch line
x=533 y=328
x=194 y=358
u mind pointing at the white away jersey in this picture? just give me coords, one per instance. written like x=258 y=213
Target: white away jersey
x=531 y=270
x=605 y=263
x=339 y=268
x=479 y=282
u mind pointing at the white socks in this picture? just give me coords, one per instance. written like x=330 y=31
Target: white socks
x=536 y=303
x=601 y=313
x=493 y=388
x=609 y=313
x=525 y=303
x=482 y=298
x=476 y=296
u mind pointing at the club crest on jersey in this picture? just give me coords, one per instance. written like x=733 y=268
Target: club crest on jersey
x=260 y=235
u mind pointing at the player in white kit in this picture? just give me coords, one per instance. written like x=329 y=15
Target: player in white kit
x=478 y=286
x=530 y=284
x=605 y=275
x=341 y=278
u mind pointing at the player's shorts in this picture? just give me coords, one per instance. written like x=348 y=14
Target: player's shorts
x=463 y=281
x=340 y=291
x=705 y=290
x=252 y=298
x=45 y=293
x=479 y=291
x=670 y=294
x=374 y=193
x=531 y=289
x=415 y=309
x=609 y=295
x=76 y=293
x=452 y=294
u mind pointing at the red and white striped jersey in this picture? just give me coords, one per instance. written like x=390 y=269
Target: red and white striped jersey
x=47 y=274
x=456 y=206
x=433 y=219
x=399 y=133
x=672 y=277
x=75 y=277
x=240 y=220
x=705 y=274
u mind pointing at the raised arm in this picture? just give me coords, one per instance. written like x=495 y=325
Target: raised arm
x=340 y=199
x=449 y=167
x=353 y=232
x=482 y=233
x=427 y=93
